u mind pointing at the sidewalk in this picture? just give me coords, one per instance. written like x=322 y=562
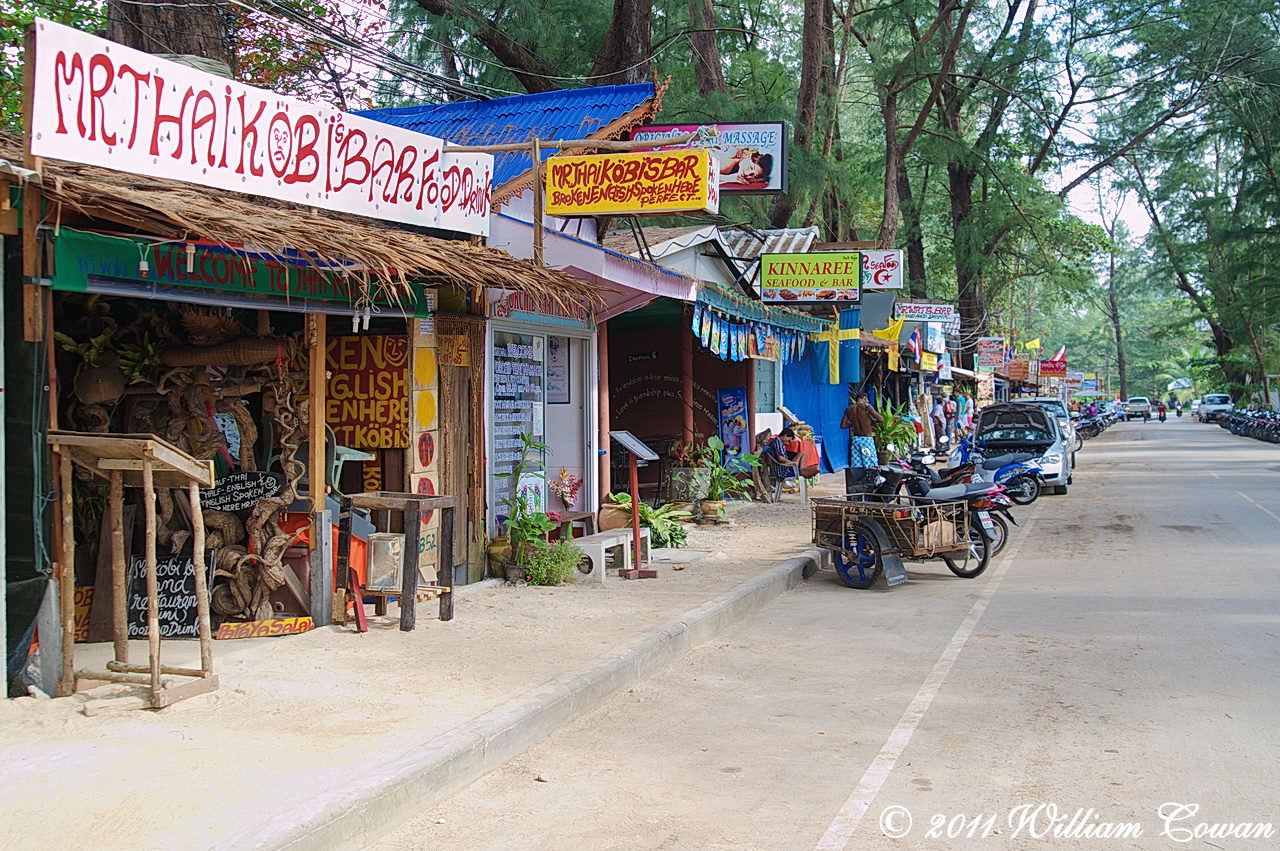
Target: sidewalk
x=307 y=731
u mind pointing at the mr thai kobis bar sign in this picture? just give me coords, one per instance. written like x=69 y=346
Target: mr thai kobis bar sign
x=104 y=104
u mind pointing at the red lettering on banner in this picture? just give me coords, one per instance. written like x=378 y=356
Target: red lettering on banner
x=305 y=150
x=102 y=63
x=349 y=159
x=162 y=119
x=250 y=128
x=198 y=121
x=428 y=190
x=64 y=74
x=387 y=164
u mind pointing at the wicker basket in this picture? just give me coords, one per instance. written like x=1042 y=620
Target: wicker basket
x=916 y=527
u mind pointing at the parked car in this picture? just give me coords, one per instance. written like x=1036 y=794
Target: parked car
x=1020 y=427
x=1138 y=406
x=1058 y=408
x=1214 y=406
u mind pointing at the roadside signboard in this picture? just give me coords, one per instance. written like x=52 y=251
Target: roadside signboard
x=988 y=354
x=104 y=104
x=1053 y=369
x=828 y=277
x=632 y=183
x=919 y=311
x=750 y=159
x=1075 y=379
x=881 y=270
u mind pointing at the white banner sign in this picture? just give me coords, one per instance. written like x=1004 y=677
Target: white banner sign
x=104 y=104
x=881 y=269
x=915 y=311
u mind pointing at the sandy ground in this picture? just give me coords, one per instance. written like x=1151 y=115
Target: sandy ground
x=299 y=713
x=1126 y=659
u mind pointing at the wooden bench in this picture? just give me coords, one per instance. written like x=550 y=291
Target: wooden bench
x=595 y=549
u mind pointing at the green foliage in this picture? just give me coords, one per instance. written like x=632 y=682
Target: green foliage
x=552 y=565
x=664 y=523
x=723 y=482
x=96 y=351
x=15 y=15
x=894 y=433
x=526 y=527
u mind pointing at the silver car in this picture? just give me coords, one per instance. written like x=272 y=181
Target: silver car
x=1027 y=428
x=1058 y=408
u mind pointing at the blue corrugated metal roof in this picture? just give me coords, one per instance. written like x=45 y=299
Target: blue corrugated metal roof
x=564 y=114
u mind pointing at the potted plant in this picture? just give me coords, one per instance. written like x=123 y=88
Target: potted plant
x=894 y=433
x=665 y=524
x=552 y=565
x=524 y=527
x=687 y=475
x=723 y=482
x=99 y=378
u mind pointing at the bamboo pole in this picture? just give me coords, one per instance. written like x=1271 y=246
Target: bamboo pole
x=33 y=300
x=537 y=203
x=67 y=581
x=153 y=596
x=317 y=392
x=202 y=585
x=119 y=570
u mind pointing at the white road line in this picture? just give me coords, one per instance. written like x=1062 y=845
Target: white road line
x=1263 y=507
x=842 y=827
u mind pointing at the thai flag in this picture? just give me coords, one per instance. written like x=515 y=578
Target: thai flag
x=913 y=343
x=1061 y=356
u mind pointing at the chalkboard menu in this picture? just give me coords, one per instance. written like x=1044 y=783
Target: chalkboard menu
x=238 y=491
x=517 y=395
x=176 y=588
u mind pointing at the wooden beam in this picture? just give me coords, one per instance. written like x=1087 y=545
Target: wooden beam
x=564 y=144
x=153 y=594
x=67 y=580
x=537 y=203
x=119 y=586
x=33 y=319
x=201 y=580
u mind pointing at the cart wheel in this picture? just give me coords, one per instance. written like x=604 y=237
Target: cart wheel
x=976 y=559
x=860 y=565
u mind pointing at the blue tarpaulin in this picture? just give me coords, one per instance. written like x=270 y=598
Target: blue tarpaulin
x=821 y=406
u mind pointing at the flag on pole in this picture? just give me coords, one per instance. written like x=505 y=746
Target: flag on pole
x=1061 y=356
x=1032 y=345
x=913 y=343
x=892 y=332
x=836 y=351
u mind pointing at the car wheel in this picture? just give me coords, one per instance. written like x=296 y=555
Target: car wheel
x=1060 y=489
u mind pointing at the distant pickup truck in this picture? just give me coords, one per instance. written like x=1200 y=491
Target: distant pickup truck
x=1214 y=406
x=1138 y=406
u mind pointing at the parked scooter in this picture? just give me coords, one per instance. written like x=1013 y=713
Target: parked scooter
x=988 y=502
x=1019 y=472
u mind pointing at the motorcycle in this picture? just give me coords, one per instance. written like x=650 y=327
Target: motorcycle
x=1019 y=472
x=988 y=502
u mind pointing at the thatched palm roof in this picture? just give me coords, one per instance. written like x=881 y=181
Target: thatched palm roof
x=389 y=252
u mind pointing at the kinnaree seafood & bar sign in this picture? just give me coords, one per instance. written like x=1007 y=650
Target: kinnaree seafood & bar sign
x=104 y=104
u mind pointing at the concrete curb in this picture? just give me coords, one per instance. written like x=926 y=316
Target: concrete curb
x=378 y=798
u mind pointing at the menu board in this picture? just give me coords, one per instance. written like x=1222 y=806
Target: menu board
x=517 y=399
x=176 y=590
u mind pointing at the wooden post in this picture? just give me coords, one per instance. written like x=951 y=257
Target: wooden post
x=33 y=300
x=318 y=471
x=444 y=576
x=635 y=512
x=67 y=582
x=119 y=586
x=602 y=394
x=686 y=383
x=409 y=570
x=202 y=585
x=153 y=598
x=536 y=150
x=751 y=401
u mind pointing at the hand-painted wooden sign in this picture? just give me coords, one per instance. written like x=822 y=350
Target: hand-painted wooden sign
x=260 y=629
x=368 y=404
x=238 y=491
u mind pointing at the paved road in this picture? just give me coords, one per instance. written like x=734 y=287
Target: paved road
x=1121 y=656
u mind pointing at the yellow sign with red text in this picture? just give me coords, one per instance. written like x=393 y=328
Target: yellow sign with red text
x=632 y=183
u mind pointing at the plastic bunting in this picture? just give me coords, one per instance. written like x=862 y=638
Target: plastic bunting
x=731 y=340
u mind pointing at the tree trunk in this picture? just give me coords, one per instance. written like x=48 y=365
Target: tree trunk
x=531 y=70
x=813 y=44
x=625 y=54
x=1114 y=299
x=707 y=70
x=972 y=300
x=915 y=236
x=182 y=27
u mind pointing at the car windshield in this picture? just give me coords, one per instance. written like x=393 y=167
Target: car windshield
x=1054 y=406
x=1139 y=400
x=1217 y=400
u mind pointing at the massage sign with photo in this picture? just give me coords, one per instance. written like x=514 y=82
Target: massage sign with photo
x=750 y=158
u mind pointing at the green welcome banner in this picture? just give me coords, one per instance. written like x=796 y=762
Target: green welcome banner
x=80 y=256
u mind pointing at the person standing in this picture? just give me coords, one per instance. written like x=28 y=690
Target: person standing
x=962 y=414
x=860 y=418
x=938 y=418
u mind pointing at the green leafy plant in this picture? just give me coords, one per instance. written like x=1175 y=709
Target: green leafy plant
x=552 y=565
x=894 y=429
x=664 y=523
x=138 y=360
x=527 y=528
x=724 y=482
x=96 y=351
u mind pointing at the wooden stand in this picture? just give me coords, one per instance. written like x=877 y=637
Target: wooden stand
x=411 y=506
x=147 y=462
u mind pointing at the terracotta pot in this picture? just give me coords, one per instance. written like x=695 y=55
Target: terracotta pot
x=614 y=517
x=499 y=552
x=686 y=506
x=95 y=385
x=711 y=508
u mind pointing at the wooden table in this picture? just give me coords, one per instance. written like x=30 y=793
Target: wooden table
x=568 y=518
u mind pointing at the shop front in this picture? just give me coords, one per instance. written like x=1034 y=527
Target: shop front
x=541 y=393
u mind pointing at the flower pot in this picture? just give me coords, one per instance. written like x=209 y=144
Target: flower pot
x=613 y=517
x=712 y=509
x=95 y=385
x=690 y=507
x=515 y=574
x=499 y=552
